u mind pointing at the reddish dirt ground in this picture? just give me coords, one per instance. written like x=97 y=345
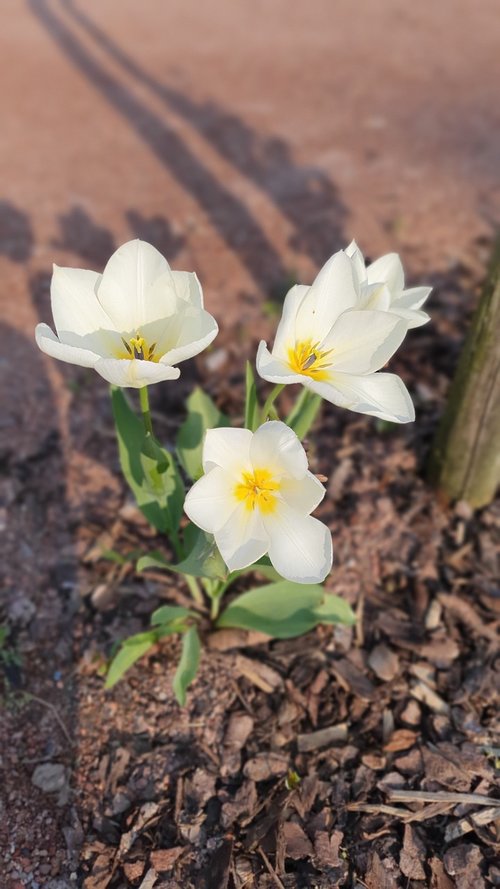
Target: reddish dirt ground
x=248 y=141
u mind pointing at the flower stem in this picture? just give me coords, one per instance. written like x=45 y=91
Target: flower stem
x=271 y=398
x=215 y=607
x=304 y=413
x=194 y=589
x=145 y=409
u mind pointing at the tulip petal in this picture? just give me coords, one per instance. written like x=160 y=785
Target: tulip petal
x=380 y=395
x=363 y=341
x=126 y=289
x=413 y=317
x=76 y=309
x=275 y=370
x=48 y=342
x=375 y=297
x=227 y=447
x=300 y=547
x=413 y=298
x=388 y=270
x=332 y=293
x=188 y=288
x=358 y=263
x=275 y=447
x=302 y=494
x=243 y=539
x=286 y=332
x=196 y=331
x=134 y=373
x=211 y=501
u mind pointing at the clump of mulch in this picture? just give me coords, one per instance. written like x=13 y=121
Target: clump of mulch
x=360 y=756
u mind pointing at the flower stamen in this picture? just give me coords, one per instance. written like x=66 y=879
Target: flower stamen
x=257 y=490
x=305 y=357
x=137 y=347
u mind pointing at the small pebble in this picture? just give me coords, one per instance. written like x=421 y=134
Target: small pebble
x=50 y=777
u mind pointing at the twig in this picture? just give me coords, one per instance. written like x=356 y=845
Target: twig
x=423 y=796
x=54 y=713
x=270 y=868
x=360 y=613
x=406 y=815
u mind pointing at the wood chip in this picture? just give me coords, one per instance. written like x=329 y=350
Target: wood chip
x=464 y=864
x=433 y=617
x=422 y=692
x=413 y=855
x=411 y=713
x=401 y=739
x=239 y=729
x=164 y=859
x=326 y=849
x=353 y=679
x=384 y=662
x=440 y=769
x=459 y=828
x=297 y=844
x=464 y=611
x=381 y=875
x=333 y=734
x=229 y=638
x=261 y=675
x=439 y=879
x=150 y=879
x=265 y=766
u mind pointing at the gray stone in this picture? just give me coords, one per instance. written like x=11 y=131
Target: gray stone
x=49 y=777
x=21 y=610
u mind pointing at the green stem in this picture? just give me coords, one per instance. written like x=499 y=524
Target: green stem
x=194 y=589
x=214 y=607
x=304 y=413
x=145 y=409
x=271 y=398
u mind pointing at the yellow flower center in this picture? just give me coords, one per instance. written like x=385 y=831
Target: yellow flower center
x=305 y=357
x=137 y=347
x=257 y=490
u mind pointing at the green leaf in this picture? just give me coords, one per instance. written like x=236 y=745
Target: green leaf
x=252 y=411
x=334 y=610
x=188 y=665
x=202 y=415
x=283 y=610
x=129 y=652
x=263 y=567
x=148 y=468
x=170 y=614
x=112 y=555
x=154 y=560
x=304 y=413
x=204 y=560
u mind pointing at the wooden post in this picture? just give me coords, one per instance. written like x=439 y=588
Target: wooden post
x=465 y=460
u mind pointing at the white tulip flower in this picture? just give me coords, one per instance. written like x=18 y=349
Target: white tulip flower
x=256 y=497
x=133 y=322
x=381 y=286
x=328 y=344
